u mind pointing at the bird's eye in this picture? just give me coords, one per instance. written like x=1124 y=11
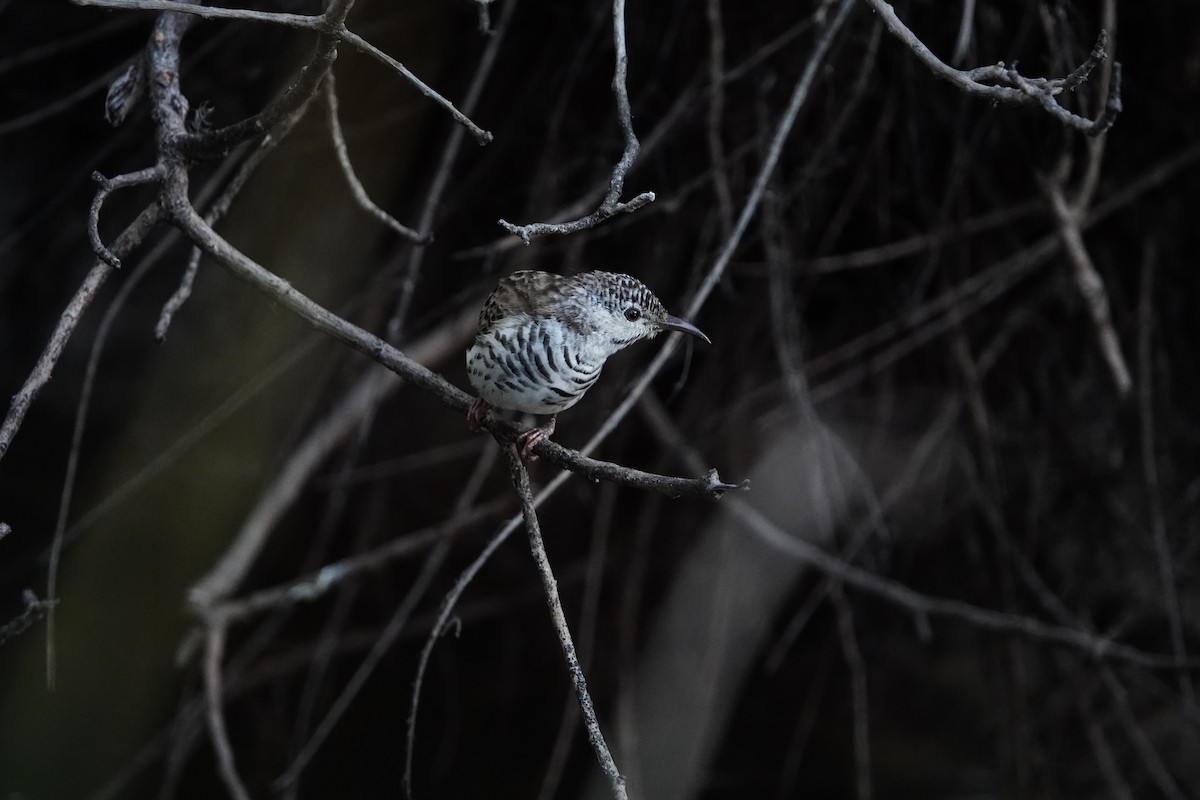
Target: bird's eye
x=633 y=313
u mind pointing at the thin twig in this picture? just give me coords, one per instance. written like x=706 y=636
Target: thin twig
x=107 y=186
x=611 y=204
x=481 y=136
x=520 y=479
x=356 y=188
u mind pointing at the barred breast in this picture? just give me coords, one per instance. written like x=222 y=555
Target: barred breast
x=530 y=365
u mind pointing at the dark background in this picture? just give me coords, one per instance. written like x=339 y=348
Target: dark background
x=979 y=451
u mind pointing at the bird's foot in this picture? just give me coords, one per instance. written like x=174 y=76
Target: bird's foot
x=531 y=437
x=477 y=415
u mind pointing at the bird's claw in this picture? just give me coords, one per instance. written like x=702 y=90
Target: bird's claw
x=527 y=440
x=477 y=415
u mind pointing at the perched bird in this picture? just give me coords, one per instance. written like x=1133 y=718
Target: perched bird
x=543 y=338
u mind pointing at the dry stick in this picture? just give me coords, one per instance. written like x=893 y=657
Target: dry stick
x=1011 y=87
x=1090 y=285
x=520 y=479
x=611 y=204
x=799 y=95
x=130 y=238
x=321 y=23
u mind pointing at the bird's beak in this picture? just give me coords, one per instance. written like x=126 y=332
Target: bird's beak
x=682 y=325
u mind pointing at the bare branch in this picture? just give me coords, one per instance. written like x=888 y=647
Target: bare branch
x=520 y=479
x=611 y=204
x=1009 y=86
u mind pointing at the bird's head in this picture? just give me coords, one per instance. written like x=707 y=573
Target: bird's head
x=623 y=310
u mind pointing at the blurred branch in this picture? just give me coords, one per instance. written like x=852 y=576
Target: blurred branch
x=34 y=610
x=1089 y=283
x=922 y=606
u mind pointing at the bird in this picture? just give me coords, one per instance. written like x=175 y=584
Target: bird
x=543 y=339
